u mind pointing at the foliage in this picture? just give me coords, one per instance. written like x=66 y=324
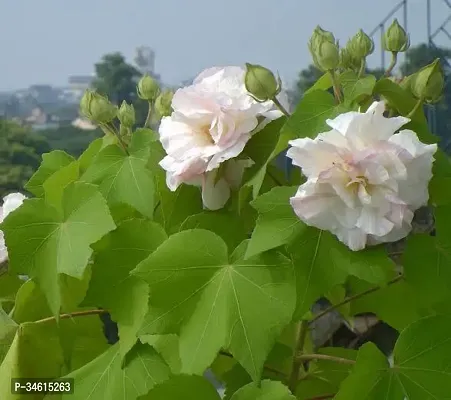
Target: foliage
x=230 y=291
x=20 y=155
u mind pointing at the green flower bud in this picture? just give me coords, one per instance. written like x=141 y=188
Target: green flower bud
x=97 y=107
x=348 y=61
x=163 y=103
x=261 y=83
x=428 y=83
x=126 y=114
x=361 y=45
x=395 y=38
x=324 y=50
x=148 y=88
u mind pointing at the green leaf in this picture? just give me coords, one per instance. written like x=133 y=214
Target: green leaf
x=381 y=301
x=34 y=353
x=402 y=101
x=440 y=184
x=8 y=328
x=125 y=178
x=325 y=377
x=225 y=224
x=262 y=148
x=103 y=378
x=54 y=186
x=277 y=223
x=115 y=256
x=356 y=89
x=168 y=347
x=269 y=390
x=213 y=300
x=235 y=379
x=9 y=285
x=183 y=387
x=322 y=262
x=370 y=378
x=310 y=115
x=87 y=157
x=421 y=366
x=427 y=260
x=44 y=241
x=51 y=162
x=323 y=83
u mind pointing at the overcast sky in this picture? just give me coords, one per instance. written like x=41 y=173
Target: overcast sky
x=45 y=41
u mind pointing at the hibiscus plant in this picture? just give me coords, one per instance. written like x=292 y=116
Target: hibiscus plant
x=209 y=258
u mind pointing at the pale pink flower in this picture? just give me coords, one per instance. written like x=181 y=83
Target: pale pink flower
x=212 y=121
x=364 y=181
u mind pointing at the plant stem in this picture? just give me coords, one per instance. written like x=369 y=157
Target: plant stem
x=301 y=335
x=149 y=115
x=72 y=315
x=362 y=68
x=352 y=298
x=394 y=59
x=323 y=397
x=418 y=104
x=112 y=131
x=326 y=357
x=335 y=85
x=276 y=101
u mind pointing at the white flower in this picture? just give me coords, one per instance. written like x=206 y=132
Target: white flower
x=10 y=202
x=363 y=181
x=212 y=121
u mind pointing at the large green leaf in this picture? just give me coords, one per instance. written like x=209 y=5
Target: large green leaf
x=104 y=379
x=230 y=227
x=323 y=83
x=427 y=260
x=115 y=256
x=277 y=223
x=34 y=353
x=9 y=285
x=213 y=300
x=55 y=185
x=168 y=347
x=125 y=178
x=420 y=371
x=51 y=162
x=354 y=88
x=186 y=387
x=324 y=376
x=322 y=262
x=44 y=241
x=268 y=390
x=310 y=115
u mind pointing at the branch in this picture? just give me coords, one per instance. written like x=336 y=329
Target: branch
x=326 y=357
x=352 y=298
x=394 y=59
x=301 y=335
x=72 y=315
x=280 y=106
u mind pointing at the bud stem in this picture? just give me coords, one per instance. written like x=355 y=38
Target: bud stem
x=335 y=85
x=415 y=108
x=394 y=59
x=110 y=130
x=149 y=115
x=280 y=106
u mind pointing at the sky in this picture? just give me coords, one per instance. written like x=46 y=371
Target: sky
x=46 y=41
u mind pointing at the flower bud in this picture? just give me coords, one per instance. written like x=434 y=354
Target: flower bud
x=163 y=103
x=97 y=107
x=361 y=45
x=428 y=83
x=261 y=83
x=395 y=38
x=324 y=50
x=148 y=88
x=347 y=60
x=126 y=114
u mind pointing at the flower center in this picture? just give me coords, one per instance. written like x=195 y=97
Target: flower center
x=204 y=133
